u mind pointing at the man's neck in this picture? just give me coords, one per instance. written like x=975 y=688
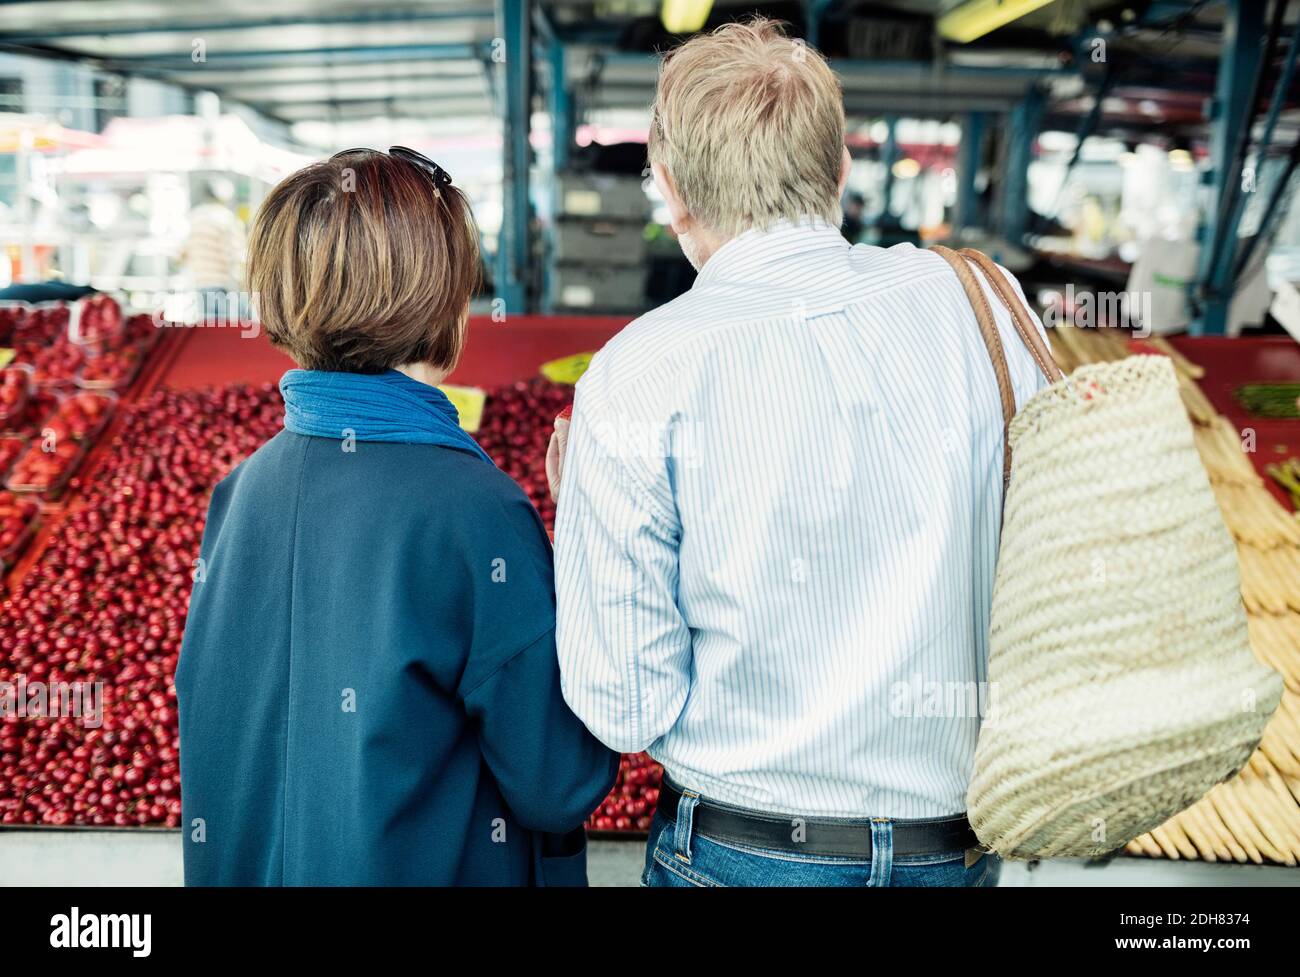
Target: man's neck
x=701 y=244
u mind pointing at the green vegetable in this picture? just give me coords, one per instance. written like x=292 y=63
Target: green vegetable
x=1287 y=474
x=1270 y=399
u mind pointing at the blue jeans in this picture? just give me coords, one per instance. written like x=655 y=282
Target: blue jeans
x=679 y=857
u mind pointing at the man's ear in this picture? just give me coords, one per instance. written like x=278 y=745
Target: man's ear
x=846 y=164
x=678 y=216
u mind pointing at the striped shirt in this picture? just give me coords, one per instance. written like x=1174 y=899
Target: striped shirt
x=778 y=526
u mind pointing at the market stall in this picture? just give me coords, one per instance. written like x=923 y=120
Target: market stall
x=100 y=544
x=101 y=534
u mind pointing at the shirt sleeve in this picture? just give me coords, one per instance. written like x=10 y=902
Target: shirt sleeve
x=624 y=647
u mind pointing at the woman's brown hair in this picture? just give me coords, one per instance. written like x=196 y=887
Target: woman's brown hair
x=362 y=263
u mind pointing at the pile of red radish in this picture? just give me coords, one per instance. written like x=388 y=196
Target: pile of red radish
x=39 y=338
x=516 y=428
x=11 y=316
x=113 y=369
x=631 y=804
x=28 y=423
x=99 y=323
x=61 y=443
x=15 y=387
x=142 y=330
x=17 y=517
x=11 y=446
x=90 y=343
x=53 y=363
x=106 y=602
x=42 y=471
x=80 y=416
x=42 y=325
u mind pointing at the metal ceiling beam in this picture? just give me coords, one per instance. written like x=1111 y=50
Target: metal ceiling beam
x=336 y=55
x=1239 y=66
x=1262 y=151
x=398 y=108
x=1024 y=125
x=63 y=33
x=966 y=213
x=945 y=102
x=888 y=69
x=813 y=12
x=563 y=112
x=928 y=106
x=862 y=81
x=359 y=91
x=563 y=117
x=1223 y=239
x=259 y=78
x=889 y=155
x=515 y=80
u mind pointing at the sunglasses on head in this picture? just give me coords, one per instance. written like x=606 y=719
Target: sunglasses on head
x=441 y=178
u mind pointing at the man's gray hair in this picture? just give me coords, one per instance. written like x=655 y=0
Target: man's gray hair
x=750 y=126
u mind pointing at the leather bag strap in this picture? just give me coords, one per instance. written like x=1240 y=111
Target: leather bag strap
x=1024 y=323
x=992 y=342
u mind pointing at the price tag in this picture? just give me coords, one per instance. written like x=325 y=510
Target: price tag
x=468 y=402
x=567 y=369
x=6 y=357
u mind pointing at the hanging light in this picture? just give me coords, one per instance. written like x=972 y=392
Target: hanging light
x=975 y=18
x=685 y=16
x=906 y=168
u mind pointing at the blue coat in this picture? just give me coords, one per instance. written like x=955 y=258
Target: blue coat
x=368 y=686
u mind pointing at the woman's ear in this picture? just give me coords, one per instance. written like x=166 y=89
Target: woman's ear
x=678 y=216
x=846 y=164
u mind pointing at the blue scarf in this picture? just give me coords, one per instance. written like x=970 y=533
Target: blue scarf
x=387 y=406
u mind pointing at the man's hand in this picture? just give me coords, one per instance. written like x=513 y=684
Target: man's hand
x=555 y=451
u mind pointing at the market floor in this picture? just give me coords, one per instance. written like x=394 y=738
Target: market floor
x=152 y=857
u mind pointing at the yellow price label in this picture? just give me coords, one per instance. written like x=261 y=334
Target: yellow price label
x=6 y=357
x=468 y=402
x=567 y=369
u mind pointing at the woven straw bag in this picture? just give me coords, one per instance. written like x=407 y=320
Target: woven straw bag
x=1122 y=686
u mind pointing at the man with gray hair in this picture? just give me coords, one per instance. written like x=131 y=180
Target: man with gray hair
x=779 y=510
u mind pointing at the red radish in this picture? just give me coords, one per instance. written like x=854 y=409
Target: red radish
x=106 y=600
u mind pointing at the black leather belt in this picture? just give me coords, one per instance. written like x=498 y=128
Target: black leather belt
x=817 y=836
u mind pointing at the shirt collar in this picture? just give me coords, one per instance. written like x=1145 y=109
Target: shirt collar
x=763 y=255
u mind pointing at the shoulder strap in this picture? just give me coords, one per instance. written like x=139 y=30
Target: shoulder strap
x=1019 y=315
x=961 y=263
x=992 y=342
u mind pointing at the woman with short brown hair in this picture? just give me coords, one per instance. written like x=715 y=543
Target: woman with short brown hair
x=365 y=262
x=368 y=684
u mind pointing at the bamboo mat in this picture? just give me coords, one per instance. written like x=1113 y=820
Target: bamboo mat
x=1254 y=817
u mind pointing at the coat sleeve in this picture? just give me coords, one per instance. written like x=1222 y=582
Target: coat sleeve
x=551 y=771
